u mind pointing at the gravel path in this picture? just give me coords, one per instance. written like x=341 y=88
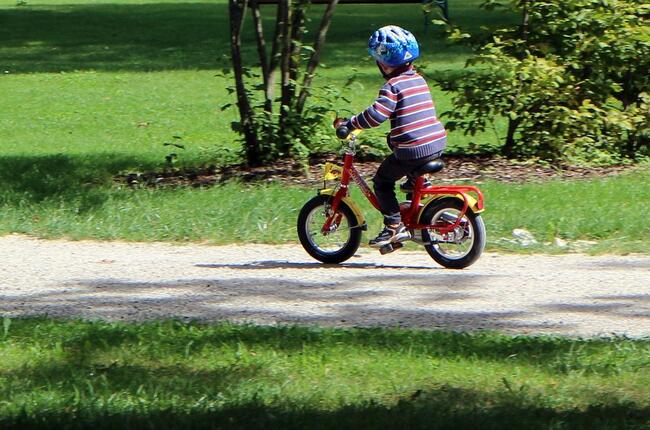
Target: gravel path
x=572 y=294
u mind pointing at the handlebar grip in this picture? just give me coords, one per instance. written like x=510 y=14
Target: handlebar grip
x=342 y=132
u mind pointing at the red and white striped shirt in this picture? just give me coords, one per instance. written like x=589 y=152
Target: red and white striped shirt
x=415 y=132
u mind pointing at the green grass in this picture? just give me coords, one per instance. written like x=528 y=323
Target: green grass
x=612 y=211
x=98 y=78
x=92 y=89
x=71 y=374
x=55 y=197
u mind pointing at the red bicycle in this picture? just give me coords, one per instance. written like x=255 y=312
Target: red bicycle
x=445 y=219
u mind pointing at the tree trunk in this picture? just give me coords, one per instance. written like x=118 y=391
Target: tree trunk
x=524 y=29
x=268 y=71
x=285 y=48
x=629 y=95
x=237 y=10
x=629 y=98
x=285 y=55
x=509 y=147
x=292 y=46
x=525 y=21
x=315 y=56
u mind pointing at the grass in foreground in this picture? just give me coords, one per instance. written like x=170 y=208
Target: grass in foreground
x=74 y=374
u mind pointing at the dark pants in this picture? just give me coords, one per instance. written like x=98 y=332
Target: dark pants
x=390 y=171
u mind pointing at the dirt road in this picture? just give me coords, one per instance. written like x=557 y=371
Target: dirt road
x=572 y=294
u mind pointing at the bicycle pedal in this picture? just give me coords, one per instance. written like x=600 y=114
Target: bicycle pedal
x=390 y=247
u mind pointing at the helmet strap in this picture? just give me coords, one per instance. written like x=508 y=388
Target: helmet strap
x=398 y=70
x=381 y=70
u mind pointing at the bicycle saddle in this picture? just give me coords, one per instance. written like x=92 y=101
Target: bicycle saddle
x=432 y=166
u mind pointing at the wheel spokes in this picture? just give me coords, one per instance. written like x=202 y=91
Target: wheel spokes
x=333 y=240
x=456 y=243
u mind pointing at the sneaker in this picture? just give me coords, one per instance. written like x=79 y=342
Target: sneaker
x=390 y=235
x=407 y=187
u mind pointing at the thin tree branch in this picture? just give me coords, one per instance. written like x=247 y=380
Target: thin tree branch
x=297 y=32
x=286 y=53
x=259 y=37
x=284 y=75
x=237 y=9
x=275 y=49
x=315 y=56
x=267 y=76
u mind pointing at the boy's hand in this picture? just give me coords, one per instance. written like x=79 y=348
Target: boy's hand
x=338 y=122
x=342 y=132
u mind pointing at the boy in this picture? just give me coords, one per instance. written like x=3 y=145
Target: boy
x=416 y=135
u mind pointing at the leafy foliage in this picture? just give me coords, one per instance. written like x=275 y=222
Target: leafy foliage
x=283 y=126
x=300 y=134
x=572 y=81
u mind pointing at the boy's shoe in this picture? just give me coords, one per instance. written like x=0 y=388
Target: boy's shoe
x=407 y=187
x=390 y=235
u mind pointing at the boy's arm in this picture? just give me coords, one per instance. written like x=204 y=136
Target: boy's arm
x=380 y=111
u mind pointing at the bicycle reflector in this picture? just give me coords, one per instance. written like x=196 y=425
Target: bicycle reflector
x=332 y=171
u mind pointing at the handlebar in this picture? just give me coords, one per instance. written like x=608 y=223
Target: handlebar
x=342 y=132
x=347 y=134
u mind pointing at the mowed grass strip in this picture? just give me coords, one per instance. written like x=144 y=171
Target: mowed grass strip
x=169 y=374
x=57 y=203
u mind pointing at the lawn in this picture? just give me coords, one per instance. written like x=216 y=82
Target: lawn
x=119 y=79
x=611 y=211
x=94 y=89
x=165 y=375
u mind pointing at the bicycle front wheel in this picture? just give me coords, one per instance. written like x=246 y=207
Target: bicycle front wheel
x=338 y=244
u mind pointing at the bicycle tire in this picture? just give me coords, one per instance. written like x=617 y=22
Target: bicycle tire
x=309 y=230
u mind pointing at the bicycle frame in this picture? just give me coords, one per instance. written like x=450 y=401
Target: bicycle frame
x=410 y=214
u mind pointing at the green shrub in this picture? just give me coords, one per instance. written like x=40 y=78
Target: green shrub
x=572 y=81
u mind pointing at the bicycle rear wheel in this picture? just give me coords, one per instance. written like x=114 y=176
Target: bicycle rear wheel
x=460 y=247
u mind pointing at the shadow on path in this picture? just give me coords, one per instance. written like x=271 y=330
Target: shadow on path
x=620 y=306
x=369 y=300
x=274 y=264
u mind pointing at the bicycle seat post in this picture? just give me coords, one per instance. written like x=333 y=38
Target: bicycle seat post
x=419 y=183
x=415 y=195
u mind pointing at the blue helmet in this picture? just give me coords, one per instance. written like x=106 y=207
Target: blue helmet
x=393 y=46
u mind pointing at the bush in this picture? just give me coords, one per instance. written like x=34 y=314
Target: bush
x=572 y=81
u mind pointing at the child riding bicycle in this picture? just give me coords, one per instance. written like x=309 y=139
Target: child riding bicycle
x=416 y=136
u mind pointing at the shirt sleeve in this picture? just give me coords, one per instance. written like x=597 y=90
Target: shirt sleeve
x=379 y=111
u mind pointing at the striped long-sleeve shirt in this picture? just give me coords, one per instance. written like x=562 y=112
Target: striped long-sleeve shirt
x=415 y=131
